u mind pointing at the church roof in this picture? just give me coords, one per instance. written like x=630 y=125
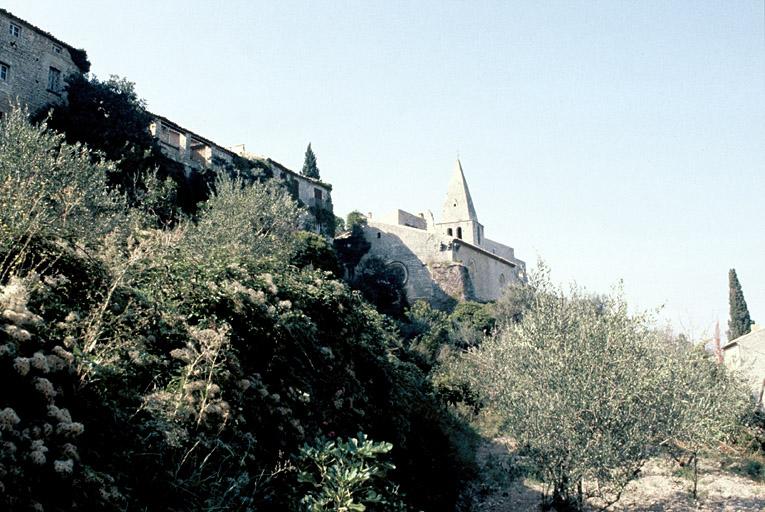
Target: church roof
x=458 y=205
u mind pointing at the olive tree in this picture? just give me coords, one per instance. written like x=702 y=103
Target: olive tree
x=50 y=191
x=592 y=391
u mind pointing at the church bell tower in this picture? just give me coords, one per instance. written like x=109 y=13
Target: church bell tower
x=458 y=217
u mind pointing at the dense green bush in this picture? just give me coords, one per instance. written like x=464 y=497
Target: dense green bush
x=346 y=475
x=314 y=251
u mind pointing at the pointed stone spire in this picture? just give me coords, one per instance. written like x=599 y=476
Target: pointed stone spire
x=458 y=205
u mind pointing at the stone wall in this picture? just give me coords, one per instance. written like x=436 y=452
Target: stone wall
x=188 y=148
x=411 y=247
x=746 y=355
x=403 y=218
x=489 y=274
x=451 y=283
x=27 y=61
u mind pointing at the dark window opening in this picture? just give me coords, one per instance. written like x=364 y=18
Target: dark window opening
x=378 y=235
x=459 y=233
x=5 y=70
x=317 y=194
x=449 y=232
x=14 y=30
x=199 y=151
x=54 y=80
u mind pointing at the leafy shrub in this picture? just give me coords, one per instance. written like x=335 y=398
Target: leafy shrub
x=345 y=475
x=312 y=250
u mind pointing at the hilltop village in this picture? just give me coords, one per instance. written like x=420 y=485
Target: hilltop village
x=437 y=261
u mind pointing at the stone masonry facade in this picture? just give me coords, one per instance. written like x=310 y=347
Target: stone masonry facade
x=33 y=65
x=448 y=260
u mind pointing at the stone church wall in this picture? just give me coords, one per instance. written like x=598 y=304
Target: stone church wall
x=488 y=274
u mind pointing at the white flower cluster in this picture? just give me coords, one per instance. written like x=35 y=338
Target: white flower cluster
x=185 y=354
x=17 y=333
x=37 y=452
x=70 y=451
x=45 y=388
x=14 y=295
x=255 y=297
x=64 y=467
x=38 y=361
x=269 y=281
x=13 y=305
x=8 y=418
x=21 y=365
x=73 y=429
x=59 y=414
x=56 y=281
x=63 y=354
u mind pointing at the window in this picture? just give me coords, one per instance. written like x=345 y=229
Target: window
x=449 y=232
x=171 y=137
x=459 y=233
x=317 y=195
x=14 y=30
x=54 y=80
x=199 y=151
x=56 y=48
x=5 y=70
x=399 y=272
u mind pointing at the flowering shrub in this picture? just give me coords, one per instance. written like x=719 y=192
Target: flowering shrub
x=180 y=368
x=38 y=435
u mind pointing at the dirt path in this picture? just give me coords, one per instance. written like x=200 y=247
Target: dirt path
x=659 y=488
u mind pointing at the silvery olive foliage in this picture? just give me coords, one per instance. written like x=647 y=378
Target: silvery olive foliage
x=591 y=391
x=50 y=190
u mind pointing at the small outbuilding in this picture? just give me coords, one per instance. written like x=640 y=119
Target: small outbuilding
x=747 y=355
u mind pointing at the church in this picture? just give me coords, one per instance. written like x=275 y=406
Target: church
x=448 y=260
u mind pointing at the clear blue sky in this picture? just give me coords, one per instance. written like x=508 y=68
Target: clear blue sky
x=615 y=139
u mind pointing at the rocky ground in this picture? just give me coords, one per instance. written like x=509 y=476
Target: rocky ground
x=661 y=487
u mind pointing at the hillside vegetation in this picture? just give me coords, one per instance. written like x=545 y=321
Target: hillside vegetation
x=179 y=344
x=192 y=367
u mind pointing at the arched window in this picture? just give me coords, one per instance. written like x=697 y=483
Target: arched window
x=449 y=232
x=459 y=233
x=502 y=280
x=400 y=272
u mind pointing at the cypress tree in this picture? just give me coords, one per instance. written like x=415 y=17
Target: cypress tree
x=309 y=164
x=740 y=322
